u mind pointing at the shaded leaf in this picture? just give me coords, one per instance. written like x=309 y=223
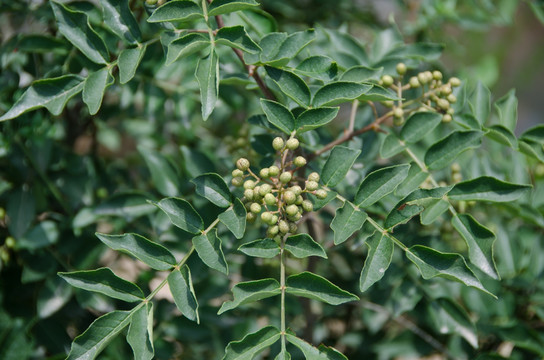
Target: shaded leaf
x=104 y=281
x=128 y=62
x=181 y=287
x=213 y=187
x=314 y=118
x=140 y=333
x=379 y=183
x=377 y=261
x=251 y=291
x=291 y=85
x=218 y=7
x=252 y=344
x=486 y=188
x=317 y=67
x=502 y=135
x=378 y=93
x=339 y=92
x=265 y=248
x=278 y=115
x=507 y=108
x=302 y=245
x=415 y=177
x=208 y=248
x=418 y=125
x=185 y=46
x=312 y=353
x=54 y=294
x=182 y=214
x=236 y=37
x=444 y=151
x=338 y=163
x=207 y=74
x=120 y=20
x=94 y=88
x=152 y=254
x=235 y=218
x=163 y=174
x=391 y=146
x=450 y=318
x=176 y=10
x=347 y=220
x=279 y=48
x=309 y=285
x=481 y=103
x=361 y=73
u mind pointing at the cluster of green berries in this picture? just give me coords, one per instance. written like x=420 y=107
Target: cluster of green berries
x=240 y=144
x=439 y=96
x=274 y=194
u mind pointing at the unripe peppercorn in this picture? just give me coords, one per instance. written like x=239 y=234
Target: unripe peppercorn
x=291 y=210
x=266 y=217
x=321 y=194
x=455 y=167
x=237 y=173
x=443 y=104
x=265 y=189
x=452 y=99
x=422 y=78
x=255 y=208
x=293 y=227
x=445 y=90
x=295 y=217
x=437 y=75
x=251 y=217
x=300 y=199
x=292 y=144
x=311 y=185
x=428 y=76
x=273 y=231
x=283 y=226
x=285 y=177
x=289 y=197
x=237 y=181
x=273 y=170
x=387 y=80
x=249 y=184
x=248 y=194
x=398 y=112
x=307 y=205
x=414 y=82
x=264 y=173
x=299 y=161
x=455 y=82
x=296 y=189
x=401 y=68
x=278 y=143
x=313 y=177
x=270 y=199
x=256 y=190
x=274 y=219
x=388 y=103
x=242 y=164
x=151 y=2
x=447 y=118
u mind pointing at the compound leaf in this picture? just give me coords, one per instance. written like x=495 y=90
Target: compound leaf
x=339 y=92
x=185 y=46
x=177 y=10
x=291 y=85
x=418 y=125
x=236 y=37
x=314 y=118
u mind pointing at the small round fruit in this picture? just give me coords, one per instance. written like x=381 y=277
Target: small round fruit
x=422 y=78
x=250 y=217
x=295 y=217
x=313 y=177
x=274 y=219
x=321 y=194
x=270 y=199
x=255 y=208
x=307 y=206
x=292 y=144
x=455 y=167
x=265 y=189
x=388 y=103
x=291 y=210
x=299 y=200
x=293 y=227
x=278 y=143
x=414 y=82
x=285 y=177
x=311 y=185
x=401 y=68
x=437 y=75
x=398 y=121
x=273 y=231
x=237 y=173
x=248 y=194
x=283 y=226
x=273 y=170
x=443 y=104
x=299 y=161
x=237 y=181
x=242 y=164
x=387 y=80
x=249 y=184
x=447 y=118
x=398 y=112
x=289 y=197
x=10 y=242
x=456 y=177
x=296 y=189
x=266 y=217
x=151 y=2
x=455 y=82
x=452 y=99
x=264 y=173
x=445 y=90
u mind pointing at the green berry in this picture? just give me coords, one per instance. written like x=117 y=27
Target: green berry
x=422 y=78
x=237 y=173
x=300 y=199
x=285 y=177
x=428 y=76
x=445 y=90
x=265 y=189
x=10 y=242
x=443 y=104
x=237 y=181
x=293 y=227
x=273 y=170
x=251 y=217
x=274 y=219
x=291 y=210
x=437 y=75
x=249 y=184
x=255 y=208
x=387 y=80
x=398 y=121
x=401 y=68
x=311 y=185
x=270 y=199
x=264 y=173
x=283 y=226
x=248 y=194
x=273 y=231
x=289 y=197
x=266 y=217
x=455 y=168
x=388 y=103
x=278 y=143
x=447 y=118
x=398 y=112
x=321 y=194
x=150 y=2
x=299 y=161
x=455 y=82
x=414 y=82
x=242 y=164
x=307 y=206
x=292 y=144
x=452 y=99
x=296 y=189
x=313 y=177
x=295 y=217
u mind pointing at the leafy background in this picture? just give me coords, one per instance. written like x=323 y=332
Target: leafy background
x=68 y=176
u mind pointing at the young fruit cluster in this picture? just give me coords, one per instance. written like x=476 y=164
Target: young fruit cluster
x=437 y=94
x=274 y=194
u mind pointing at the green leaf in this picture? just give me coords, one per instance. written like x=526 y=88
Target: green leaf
x=103 y=330
x=176 y=10
x=379 y=183
x=291 y=85
x=486 y=188
x=163 y=174
x=339 y=162
x=265 y=248
x=481 y=103
x=208 y=248
x=278 y=115
x=532 y=148
x=235 y=218
x=182 y=214
x=302 y=245
x=502 y=135
x=347 y=220
x=450 y=318
x=283 y=355
x=433 y=211
x=317 y=67
x=507 y=108
x=415 y=177
x=185 y=46
x=140 y=333
x=104 y=281
x=361 y=74
x=312 y=353
x=444 y=151
x=252 y=344
x=119 y=19
x=181 y=287
x=52 y=296
x=207 y=74
x=279 y=48
x=339 y=92
x=128 y=62
x=535 y=134
x=155 y=255
x=213 y=187
x=391 y=146
x=378 y=259
x=418 y=125
x=479 y=240
x=309 y=285
x=314 y=118
x=53 y=94
x=432 y=263
x=94 y=88
x=236 y=37
x=378 y=93
x=45 y=233
x=251 y=291
x=75 y=27
x=420 y=51
x=218 y=7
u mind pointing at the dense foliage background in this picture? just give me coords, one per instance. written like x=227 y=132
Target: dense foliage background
x=64 y=177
